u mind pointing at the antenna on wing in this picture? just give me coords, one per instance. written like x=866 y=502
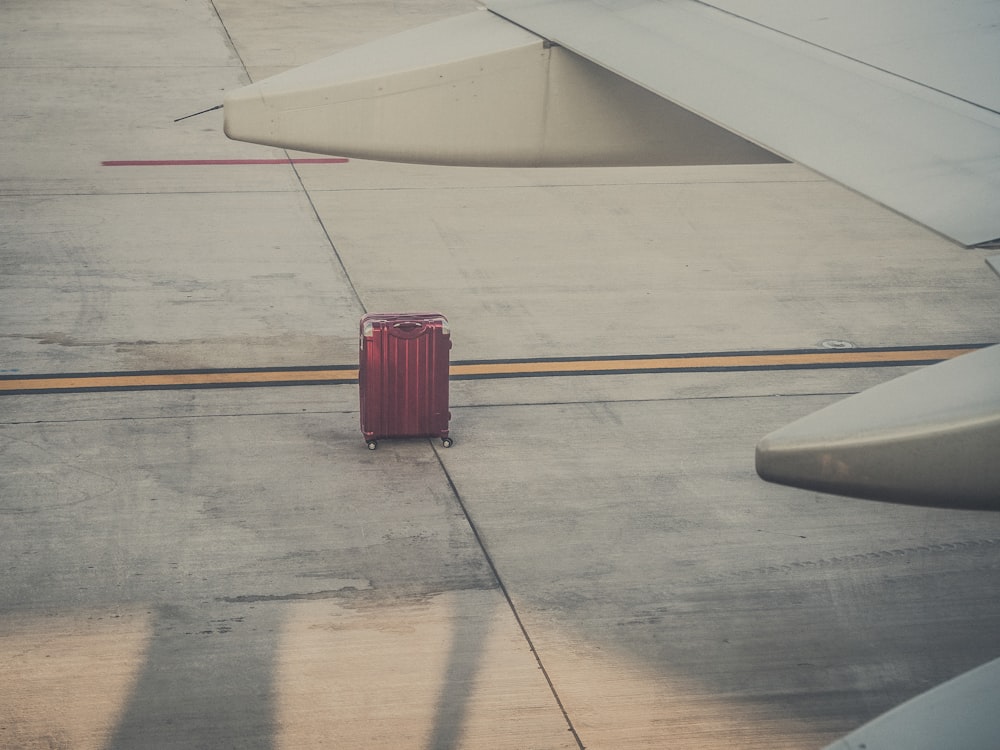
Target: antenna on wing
x=210 y=109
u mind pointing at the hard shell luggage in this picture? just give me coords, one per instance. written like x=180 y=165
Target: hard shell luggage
x=403 y=376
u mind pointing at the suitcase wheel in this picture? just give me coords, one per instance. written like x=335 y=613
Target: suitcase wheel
x=446 y=442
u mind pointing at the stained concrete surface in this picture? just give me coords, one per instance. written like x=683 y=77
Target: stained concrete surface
x=594 y=563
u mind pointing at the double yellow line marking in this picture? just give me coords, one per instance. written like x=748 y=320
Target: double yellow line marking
x=734 y=361
x=716 y=362
x=177 y=379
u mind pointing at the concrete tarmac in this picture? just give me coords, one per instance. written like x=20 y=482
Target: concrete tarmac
x=593 y=564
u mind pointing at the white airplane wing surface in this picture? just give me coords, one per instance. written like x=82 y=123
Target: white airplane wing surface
x=475 y=90
x=931 y=437
x=897 y=100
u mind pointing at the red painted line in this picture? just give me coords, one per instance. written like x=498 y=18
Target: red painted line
x=216 y=162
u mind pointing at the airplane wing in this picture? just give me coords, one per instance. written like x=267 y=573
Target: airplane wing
x=931 y=437
x=897 y=100
x=475 y=90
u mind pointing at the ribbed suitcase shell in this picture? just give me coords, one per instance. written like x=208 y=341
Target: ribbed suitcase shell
x=403 y=375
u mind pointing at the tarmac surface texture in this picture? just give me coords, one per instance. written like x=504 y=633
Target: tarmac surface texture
x=593 y=564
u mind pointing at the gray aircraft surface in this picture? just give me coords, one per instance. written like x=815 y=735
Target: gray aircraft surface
x=898 y=101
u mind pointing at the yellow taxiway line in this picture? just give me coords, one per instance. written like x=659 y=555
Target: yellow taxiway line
x=715 y=362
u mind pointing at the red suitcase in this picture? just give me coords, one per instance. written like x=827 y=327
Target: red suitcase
x=403 y=376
